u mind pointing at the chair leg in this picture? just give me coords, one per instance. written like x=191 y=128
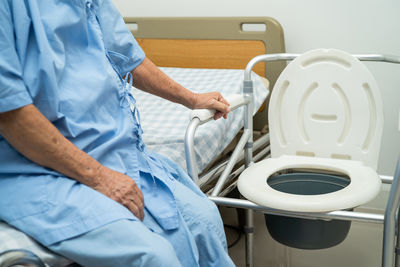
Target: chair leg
x=397 y=248
x=389 y=251
x=249 y=233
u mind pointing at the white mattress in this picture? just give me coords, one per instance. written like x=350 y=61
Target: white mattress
x=164 y=123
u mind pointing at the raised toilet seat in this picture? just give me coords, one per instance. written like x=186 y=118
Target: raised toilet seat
x=325 y=115
x=364 y=184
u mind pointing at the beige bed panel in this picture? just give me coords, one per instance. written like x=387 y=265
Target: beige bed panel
x=210 y=42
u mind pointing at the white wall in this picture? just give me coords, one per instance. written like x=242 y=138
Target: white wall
x=356 y=26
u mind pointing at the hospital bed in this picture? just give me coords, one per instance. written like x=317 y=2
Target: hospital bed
x=203 y=54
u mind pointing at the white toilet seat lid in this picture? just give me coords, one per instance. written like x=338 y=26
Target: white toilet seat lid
x=326 y=104
x=364 y=184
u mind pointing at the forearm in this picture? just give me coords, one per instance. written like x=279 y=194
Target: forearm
x=148 y=77
x=30 y=133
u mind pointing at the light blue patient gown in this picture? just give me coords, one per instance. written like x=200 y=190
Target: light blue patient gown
x=68 y=58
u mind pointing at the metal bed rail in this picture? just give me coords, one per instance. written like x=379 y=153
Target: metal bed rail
x=216 y=171
x=229 y=181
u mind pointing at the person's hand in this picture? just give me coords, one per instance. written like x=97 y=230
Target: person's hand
x=213 y=100
x=122 y=189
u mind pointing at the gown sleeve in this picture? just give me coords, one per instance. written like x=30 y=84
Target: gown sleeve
x=122 y=48
x=13 y=91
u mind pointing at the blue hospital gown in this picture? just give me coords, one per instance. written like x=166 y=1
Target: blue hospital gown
x=68 y=57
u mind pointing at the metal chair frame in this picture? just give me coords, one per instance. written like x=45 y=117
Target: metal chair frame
x=389 y=219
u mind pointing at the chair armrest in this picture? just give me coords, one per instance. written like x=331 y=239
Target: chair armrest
x=204 y=115
x=201 y=116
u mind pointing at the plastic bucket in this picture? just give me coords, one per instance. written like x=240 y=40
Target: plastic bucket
x=307 y=233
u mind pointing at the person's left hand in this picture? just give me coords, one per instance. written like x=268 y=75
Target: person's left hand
x=213 y=100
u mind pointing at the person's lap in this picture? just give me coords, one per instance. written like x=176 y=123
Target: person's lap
x=121 y=243
x=199 y=240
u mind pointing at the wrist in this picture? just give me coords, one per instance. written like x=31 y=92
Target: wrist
x=92 y=174
x=192 y=100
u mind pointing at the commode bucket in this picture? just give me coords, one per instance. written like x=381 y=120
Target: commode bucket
x=307 y=233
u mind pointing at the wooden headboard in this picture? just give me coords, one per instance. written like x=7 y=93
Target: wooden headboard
x=223 y=43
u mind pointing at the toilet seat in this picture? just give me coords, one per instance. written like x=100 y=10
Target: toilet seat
x=364 y=184
x=325 y=112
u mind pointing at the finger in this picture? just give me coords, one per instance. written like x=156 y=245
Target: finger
x=139 y=194
x=141 y=212
x=223 y=100
x=225 y=115
x=140 y=203
x=220 y=98
x=137 y=191
x=136 y=207
x=220 y=106
x=131 y=205
x=218 y=115
x=136 y=197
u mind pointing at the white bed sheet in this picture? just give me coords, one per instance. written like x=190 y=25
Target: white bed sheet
x=164 y=123
x=11 y=238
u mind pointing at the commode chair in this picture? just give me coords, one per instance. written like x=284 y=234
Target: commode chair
x=325 y=122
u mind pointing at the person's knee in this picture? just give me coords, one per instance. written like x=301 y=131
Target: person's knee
x=161 y=255
x=210 y=213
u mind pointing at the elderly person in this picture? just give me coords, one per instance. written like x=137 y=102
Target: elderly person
x=74 y=171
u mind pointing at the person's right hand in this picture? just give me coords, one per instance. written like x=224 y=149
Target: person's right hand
x=122 y=189
x=212 y=100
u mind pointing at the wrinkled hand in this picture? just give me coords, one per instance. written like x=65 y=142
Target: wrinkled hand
x=213 y=100
x=122 y=189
